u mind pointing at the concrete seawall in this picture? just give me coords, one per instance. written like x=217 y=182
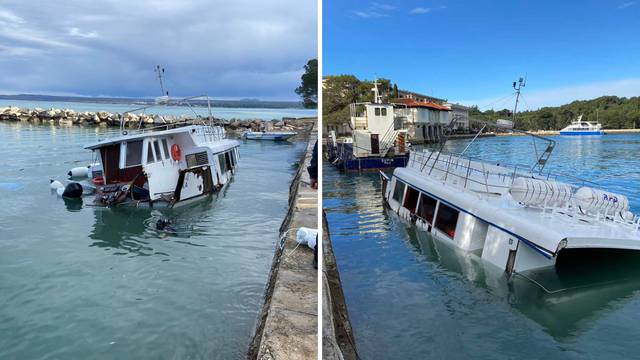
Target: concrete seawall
x=338 y=342
x=288 y=323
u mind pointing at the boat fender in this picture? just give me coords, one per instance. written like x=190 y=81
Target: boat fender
x=72 y=190
x=55 y=184
x=176 y=152
x=595 y=200
x=307 y=236
x=80 y=171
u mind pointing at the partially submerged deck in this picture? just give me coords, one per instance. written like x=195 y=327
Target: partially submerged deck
x=288 y=324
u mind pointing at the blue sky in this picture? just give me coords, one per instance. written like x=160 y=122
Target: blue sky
x=471 y=51
x=226 y=49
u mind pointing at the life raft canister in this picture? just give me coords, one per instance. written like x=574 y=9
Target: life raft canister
x=176 y=153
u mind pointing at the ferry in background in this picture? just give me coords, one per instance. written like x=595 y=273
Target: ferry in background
x=378 y=141
x=268 y=135
x=580 y=127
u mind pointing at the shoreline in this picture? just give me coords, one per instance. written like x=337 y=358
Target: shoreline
x=68 y=117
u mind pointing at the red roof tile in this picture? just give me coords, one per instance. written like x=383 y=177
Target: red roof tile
x=424 y=104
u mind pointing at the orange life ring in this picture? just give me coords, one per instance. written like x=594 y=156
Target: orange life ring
x=176 y=153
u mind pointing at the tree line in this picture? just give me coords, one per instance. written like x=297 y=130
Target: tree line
x=611 y=111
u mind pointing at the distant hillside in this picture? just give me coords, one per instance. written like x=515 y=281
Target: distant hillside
x=243 y=103
x=611 y=111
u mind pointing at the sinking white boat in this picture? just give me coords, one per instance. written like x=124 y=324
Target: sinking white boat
x=513 y=217
x=268 y=135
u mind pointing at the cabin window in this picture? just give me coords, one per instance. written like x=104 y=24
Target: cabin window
x=377 y=111
x=398 y=192
x=227 y=158
x=156 y=147
x=447 y=219
x=411 y=199
x=427 y=207
x=150 y=158
x=133 y=155
x=223 y=163
x=384 y=111
x=165 y=146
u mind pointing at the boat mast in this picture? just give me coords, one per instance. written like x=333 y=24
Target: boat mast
x=160 y=72
x=521 y=83
x=377 y=98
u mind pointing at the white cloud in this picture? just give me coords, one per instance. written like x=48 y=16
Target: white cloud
x=375 y=10
x=74 y=31
x=626 y=5
x=112 y=47
x=536 y=99
x=419 y=10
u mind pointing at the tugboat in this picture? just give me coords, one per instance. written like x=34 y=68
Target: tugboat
x=379 y=138
x=579 y=127
x=164 y=165
x=514 y=217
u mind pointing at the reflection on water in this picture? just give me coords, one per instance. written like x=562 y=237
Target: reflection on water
x=76 y=279
x=415 y=297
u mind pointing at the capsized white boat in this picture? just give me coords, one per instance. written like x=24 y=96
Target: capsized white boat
x=268 y=135
x=514 y=217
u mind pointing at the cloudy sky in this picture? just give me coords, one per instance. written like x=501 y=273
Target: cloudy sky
x=227 y=49
x=472 y=51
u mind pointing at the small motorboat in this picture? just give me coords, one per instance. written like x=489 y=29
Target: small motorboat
x=268 y=135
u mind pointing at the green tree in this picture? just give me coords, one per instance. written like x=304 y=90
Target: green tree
x=308 y=90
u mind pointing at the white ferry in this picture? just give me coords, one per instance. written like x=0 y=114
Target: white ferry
x=514 y=218
x=579 y=127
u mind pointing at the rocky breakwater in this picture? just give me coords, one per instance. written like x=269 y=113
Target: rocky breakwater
x=131 y=120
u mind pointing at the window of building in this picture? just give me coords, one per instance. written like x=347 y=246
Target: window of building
x=133 y=156
x=384 y=111
x=398 y=192
x=377 y=111
x=427 y=208
x=447 y=219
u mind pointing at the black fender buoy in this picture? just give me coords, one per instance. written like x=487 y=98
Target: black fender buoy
x=72 y=190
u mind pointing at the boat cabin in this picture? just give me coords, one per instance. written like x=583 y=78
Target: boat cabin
x=168 y=166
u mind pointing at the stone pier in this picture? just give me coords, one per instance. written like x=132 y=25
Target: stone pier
x=288 y=324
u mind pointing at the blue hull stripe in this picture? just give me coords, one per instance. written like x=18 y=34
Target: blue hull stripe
x=578 y=133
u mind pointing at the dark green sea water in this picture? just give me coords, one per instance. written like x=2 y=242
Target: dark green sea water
x=410 y=297
x=78 y=282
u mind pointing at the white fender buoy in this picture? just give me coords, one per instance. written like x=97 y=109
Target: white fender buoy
x=307 y=236
x=55 y=184
x=80 y=171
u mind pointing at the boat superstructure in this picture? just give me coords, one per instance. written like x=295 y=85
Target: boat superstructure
x=580 y=127
x=516 y=217
x=379 y=137
x=164 y=164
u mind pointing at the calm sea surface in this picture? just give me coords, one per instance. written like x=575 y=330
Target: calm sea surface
x=410 y=297
x=79 y=282
x=218 y=112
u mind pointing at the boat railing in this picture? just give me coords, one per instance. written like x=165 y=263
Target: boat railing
x=474 y=172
